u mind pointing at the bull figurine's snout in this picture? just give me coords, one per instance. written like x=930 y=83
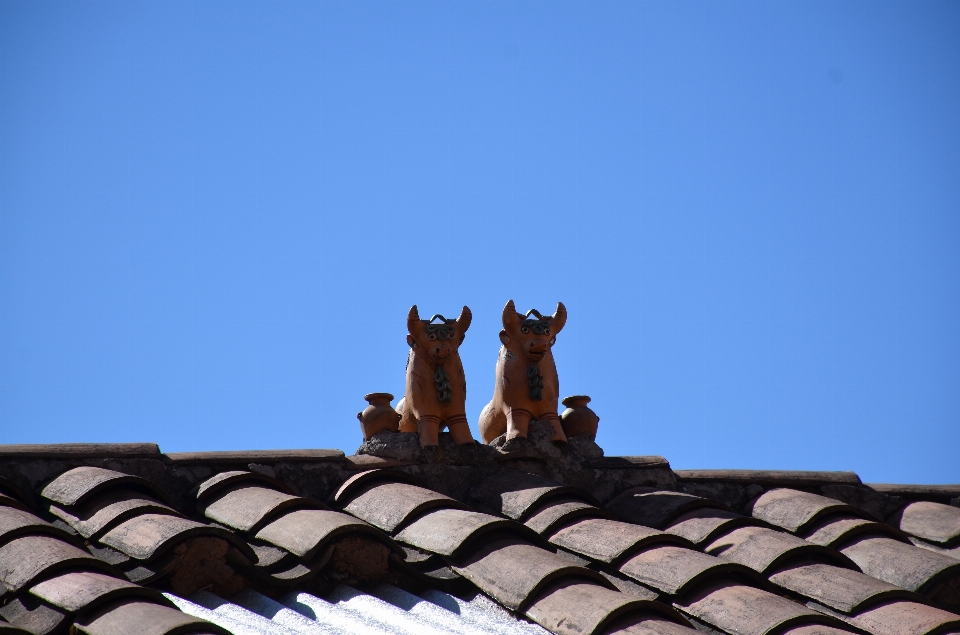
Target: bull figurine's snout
x=537 y=348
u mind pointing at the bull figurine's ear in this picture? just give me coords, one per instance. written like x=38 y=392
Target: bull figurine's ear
x=413 y=319
x=510 y=316
x=558 y=319
x=463 y=322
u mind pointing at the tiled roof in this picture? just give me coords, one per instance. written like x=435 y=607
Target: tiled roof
x=109 y=540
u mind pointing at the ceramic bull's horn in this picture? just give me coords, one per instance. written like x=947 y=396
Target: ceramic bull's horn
x=436 y=390
x=527 y=386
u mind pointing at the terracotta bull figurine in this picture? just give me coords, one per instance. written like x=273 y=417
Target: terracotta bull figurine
x=436 y=392
x=527 y=384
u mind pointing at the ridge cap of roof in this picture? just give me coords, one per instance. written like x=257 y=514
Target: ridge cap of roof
x=773 y=477
x=916 y=489
x=79 y=450
x=253 y=456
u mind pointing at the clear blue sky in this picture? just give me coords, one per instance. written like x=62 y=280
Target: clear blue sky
x=214 y=217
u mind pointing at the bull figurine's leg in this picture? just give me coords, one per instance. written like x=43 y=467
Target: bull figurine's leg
x=554 y=419
x=460 y=429
x=518 y=422
x=429 y=427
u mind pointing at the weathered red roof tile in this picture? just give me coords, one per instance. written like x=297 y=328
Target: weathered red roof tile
x=609 y=540
x=675 y=570
x=652 y=627
x=148 y=572
x=99 y=513
x=32 y=616
x=143 y=618
x=15 y=522
x=288 y=569
x=953 y=552
x=229 y=479
x=108 y=555
x=9 y=501
x=430 y=567
x=247 y=507
x=844 y=590
x=449 y=531
x=933 y=522
x=815 y=629
x=76 y=485
x=513 y=572
x=762 y=549
x=623 y=583
x=656 y=509
x=362 y=480
x=793 y=509
x=6 y=628
x=514 y=493
x=549 y=517
x=24 y=559
x=149 y=535
x=304 y=531
x=596 y=608
x=904 y=565
x=744 y=610
x=390 y=505
x=82 y=590
x=906 y=618
x=706 y=524
x=293 y=571
x=836 y=530
x=268 y=555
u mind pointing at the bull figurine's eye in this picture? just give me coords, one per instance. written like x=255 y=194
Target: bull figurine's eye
x=546 y=331
x=524 y=329
x=432 y=336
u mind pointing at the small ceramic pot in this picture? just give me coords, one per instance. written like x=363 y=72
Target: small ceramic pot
x=578 y=420
x=378 y=416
